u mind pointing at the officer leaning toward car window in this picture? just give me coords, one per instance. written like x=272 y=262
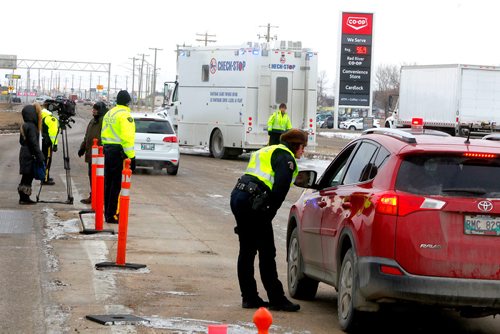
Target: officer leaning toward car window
x=117 y=137
x=50 y=130
x=256 y=198
x=278 y=123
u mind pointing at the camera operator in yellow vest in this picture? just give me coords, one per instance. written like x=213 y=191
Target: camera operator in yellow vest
x=50 y=131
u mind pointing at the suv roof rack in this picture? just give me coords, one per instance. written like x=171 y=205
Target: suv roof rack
x=396 y=133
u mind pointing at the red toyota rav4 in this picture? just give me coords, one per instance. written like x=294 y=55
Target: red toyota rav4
x=401 y=217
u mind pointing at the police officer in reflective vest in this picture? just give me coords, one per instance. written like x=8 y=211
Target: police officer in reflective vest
x=117 y=137
x=278 y=123
x=50 y=130
x=256 y=198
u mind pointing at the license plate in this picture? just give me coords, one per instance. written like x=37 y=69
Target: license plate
x=148 y=147
x=482 y=225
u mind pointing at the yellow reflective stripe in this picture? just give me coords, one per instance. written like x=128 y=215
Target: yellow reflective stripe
x=107 y=140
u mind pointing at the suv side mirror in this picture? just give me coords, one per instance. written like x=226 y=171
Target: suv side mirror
x=306 y=179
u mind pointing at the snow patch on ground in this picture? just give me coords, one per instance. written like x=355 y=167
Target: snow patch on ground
x=342 y=135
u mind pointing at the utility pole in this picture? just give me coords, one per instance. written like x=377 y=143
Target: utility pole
x=141 y=72
x=133 y=76
x=267 y=36
x=154 y=80
x=205 y=39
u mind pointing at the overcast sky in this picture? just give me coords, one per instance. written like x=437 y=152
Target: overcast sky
x=421 y=32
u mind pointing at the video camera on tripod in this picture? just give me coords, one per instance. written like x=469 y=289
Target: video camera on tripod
x=65 y=109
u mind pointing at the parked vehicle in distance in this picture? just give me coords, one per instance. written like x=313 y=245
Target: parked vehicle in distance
x=88 y=102
x=321 y=118
x=352 y=124
x=400 y=217
x=41 y=99
x=156 y=143
x=357 y=124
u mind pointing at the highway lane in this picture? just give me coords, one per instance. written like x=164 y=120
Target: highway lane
x=181 y=227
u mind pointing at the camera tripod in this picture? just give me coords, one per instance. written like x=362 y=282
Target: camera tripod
x=64 y=139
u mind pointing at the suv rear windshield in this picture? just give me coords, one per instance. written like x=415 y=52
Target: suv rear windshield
x=153 y=126
x=449 y=176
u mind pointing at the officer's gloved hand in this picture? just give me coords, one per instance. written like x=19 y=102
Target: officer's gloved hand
x=81 y=152
x=132 y=164
x=54 y=148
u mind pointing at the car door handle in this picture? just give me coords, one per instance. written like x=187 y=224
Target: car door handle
x=346 y=205
x=322 y=204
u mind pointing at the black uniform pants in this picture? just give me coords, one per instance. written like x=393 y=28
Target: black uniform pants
x=47 y=153
x=113 y=166
x=255 y=233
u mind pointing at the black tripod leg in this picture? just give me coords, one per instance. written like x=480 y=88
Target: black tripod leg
x=67 y=167
x=39 y=191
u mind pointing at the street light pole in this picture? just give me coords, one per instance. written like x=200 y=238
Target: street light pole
x=153 y=90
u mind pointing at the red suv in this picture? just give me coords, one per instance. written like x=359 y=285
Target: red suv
x=401 y=217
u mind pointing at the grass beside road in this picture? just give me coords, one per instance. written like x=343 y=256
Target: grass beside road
x=10 y=117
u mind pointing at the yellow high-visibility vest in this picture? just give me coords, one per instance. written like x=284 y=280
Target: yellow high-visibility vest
x=52 y=125
x=278 y=121
x=118 y=128
x=260 y=164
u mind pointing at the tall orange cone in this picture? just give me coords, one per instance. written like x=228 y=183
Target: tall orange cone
x=99 y=196
x=93 y=188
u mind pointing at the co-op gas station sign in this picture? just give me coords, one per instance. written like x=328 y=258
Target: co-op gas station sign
x=355 y=60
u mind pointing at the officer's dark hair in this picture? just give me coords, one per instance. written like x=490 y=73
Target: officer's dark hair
x=282 y=105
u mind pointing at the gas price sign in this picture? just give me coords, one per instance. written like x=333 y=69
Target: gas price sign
x=355 y=59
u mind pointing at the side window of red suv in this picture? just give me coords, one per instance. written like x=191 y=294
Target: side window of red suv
x=361 y=166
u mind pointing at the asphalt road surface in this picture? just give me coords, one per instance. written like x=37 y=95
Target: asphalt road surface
x=181 y=228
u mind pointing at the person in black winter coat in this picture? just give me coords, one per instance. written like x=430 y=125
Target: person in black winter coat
x=93 y=131
x=29 y=153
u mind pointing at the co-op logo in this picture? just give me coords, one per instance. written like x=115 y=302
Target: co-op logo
x=357 y=22
x=227 y=65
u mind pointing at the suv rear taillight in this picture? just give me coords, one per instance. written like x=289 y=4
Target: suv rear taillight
x=171 y=139
x=402 y=205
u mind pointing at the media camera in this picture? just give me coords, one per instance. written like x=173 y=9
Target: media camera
x=65 y=108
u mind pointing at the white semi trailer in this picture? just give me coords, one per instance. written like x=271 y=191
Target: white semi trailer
x=452 y=98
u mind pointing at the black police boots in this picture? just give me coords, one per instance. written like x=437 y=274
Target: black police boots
x=284 y=305
x=254 y=303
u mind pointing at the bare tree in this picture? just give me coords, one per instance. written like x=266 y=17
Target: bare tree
x=322 y=82
x=387 y=84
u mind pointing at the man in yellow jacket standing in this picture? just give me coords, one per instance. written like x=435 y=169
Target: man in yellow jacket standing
x=117 y=137
x=278 y=123
x=50 y=130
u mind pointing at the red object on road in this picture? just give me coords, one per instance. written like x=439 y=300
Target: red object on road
x=263 y=319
